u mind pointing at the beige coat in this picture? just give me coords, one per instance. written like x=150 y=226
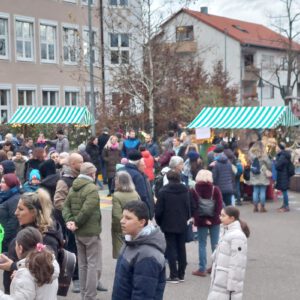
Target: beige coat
x=261 y=179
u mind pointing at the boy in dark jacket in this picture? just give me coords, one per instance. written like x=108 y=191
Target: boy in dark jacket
x=140 y=270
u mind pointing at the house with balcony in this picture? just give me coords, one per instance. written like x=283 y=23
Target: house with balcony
x=248 y=51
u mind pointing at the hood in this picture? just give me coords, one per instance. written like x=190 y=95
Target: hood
x=56 y=232
x=80 y=182
x=222 y=158
x=146 y=154
x=204 y=189
x=175 y=188
x=150 y=235
x=286 y=154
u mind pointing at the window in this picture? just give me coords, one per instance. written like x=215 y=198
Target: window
x=50 y=97
x=267 y=61
x=119 y=48
x=48 y=43
x=86 y=53
x=284 y=63
x=184 y=33
x=26 y=97
x=71 y=98
x=268 y=92
x=86 y=2
x=70 y=44
x=118 y=2
x=4 y=104
x=24 y=40
x=88 y=98
x=248 y=60
x=3 y=37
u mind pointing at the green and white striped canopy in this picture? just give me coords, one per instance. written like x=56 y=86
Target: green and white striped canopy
x=52 y=115
x=245 y=117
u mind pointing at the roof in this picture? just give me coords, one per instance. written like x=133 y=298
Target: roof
x=52 y=115
x=246 y=33
x=245 y=117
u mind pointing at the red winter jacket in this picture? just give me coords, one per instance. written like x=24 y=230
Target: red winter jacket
x=149 y=162
x=204 y=189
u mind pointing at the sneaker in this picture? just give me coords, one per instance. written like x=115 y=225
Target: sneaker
x=101 y=288
x=76 y=287
x=238 y=203
x=172 y=280
x=108 y=195
x=283 y=209
x=199 y=273
x=208 y=271
x=181 y=279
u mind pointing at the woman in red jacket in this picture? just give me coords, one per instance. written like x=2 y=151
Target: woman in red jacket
x=205 y=189
x=149 y=163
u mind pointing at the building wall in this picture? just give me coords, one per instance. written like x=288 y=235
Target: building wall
x=36 y=74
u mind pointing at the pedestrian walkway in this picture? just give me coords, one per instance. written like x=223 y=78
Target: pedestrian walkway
x=105 y=202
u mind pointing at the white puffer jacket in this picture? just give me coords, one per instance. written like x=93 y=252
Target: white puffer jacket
x=24 y=287
x=229 y=264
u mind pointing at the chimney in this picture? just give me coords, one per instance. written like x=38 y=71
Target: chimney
x=204 y=10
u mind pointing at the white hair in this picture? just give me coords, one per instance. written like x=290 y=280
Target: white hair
x=175 y=161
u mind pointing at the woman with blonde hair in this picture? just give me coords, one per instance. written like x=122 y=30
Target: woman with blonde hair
x=207 y=203
x=34 y=209
x=124 y=192
x=111 y=154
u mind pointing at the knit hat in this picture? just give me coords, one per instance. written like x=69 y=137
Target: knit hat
x=105 y=130
x=193 y=155
x=87 y=168
x=219 y=149
x=134 y=155
x=124 y=161
x=34 y=174
x=8 y=166
x=11 y=180
x=81 y=147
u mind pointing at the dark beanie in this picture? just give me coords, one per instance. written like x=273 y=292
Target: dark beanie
x=8 y=166
x=193 y=155
x=219 y=149
x=11 y=180
x=134 y=155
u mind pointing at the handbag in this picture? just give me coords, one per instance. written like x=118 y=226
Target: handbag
x=206 y=207
x=189 y=234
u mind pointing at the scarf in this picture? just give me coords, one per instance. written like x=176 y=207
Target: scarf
x=5 y=195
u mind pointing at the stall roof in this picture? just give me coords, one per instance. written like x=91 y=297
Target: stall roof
x=245 y=117
x=52 y=115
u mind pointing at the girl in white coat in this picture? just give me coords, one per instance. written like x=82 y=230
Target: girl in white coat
x=230 y=257
x=37 y=274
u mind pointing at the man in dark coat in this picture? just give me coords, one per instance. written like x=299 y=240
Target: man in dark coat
x=285 y=171
x=102 y=140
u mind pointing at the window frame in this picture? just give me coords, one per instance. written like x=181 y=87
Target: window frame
x=86 y=2
x=7 y=107
x=186 y=39
x=72 y=89
x=7 y=18
x=50 y=89
x=120 y=49
x=70 y=27
x=30 y=20
x=56 y=50
x=25 y=87
x=95 y=46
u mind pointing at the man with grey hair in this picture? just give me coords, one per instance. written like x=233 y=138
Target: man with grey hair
x=135 y=167
x=176 y=164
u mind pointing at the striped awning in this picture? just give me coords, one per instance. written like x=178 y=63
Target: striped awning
x=52 y=115
x=245 y=117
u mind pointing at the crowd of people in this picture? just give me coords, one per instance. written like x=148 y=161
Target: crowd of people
x=49 y=200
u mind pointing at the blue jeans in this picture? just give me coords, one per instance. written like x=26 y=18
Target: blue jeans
x=285 y=199
x=214 y=232
x=259 y=194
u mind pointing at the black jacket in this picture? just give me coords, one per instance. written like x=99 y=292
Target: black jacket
x=281 y=164
x=93 y=152
x=172 y=209
x=102 y=140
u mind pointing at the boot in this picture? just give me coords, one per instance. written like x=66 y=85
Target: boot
x=255 y=209
x=262 y=209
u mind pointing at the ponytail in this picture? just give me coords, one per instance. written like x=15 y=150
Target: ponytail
x=245 y=228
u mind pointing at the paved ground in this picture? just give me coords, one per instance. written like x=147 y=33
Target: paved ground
x=273 y=271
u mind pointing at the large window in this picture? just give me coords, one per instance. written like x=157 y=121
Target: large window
x=86 y=52
x=3 y=37
x=71 y=97
x=267 y=61
x=4 y=104
x=70 y=45
x=184 y=33
x=119 y=48
x=50 y=97
x=48 y=42
x=118 y=2
x=24 y=40
x=26 y=96
x=268 y=92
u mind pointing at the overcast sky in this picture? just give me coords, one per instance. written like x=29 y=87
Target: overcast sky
x=257 y=11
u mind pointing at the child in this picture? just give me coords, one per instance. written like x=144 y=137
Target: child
x=37 y=274
x=19 y=161
x=230 y=257
x=34 y=181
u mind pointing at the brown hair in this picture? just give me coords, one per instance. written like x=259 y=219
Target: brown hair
x=38 y=153
x=173 y=176
x=3 y=155
x=232 y=211
x=39 y=262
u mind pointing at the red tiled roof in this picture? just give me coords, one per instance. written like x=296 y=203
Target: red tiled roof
x=244 y=32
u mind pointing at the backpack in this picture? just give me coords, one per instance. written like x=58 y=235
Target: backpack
x=255 y=166
x=246 y=173
x=206 y=207
x=291 y=169
x=158 y=184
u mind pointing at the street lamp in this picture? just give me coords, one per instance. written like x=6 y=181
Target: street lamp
x=261 y=86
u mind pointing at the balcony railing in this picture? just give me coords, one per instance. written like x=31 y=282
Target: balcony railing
x=184 y=47
x=251 y=73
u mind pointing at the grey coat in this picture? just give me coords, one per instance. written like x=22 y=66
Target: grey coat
x=261 y=179
x=229 y=264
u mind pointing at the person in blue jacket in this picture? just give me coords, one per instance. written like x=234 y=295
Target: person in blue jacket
x=131 y=143
x=140 y=271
